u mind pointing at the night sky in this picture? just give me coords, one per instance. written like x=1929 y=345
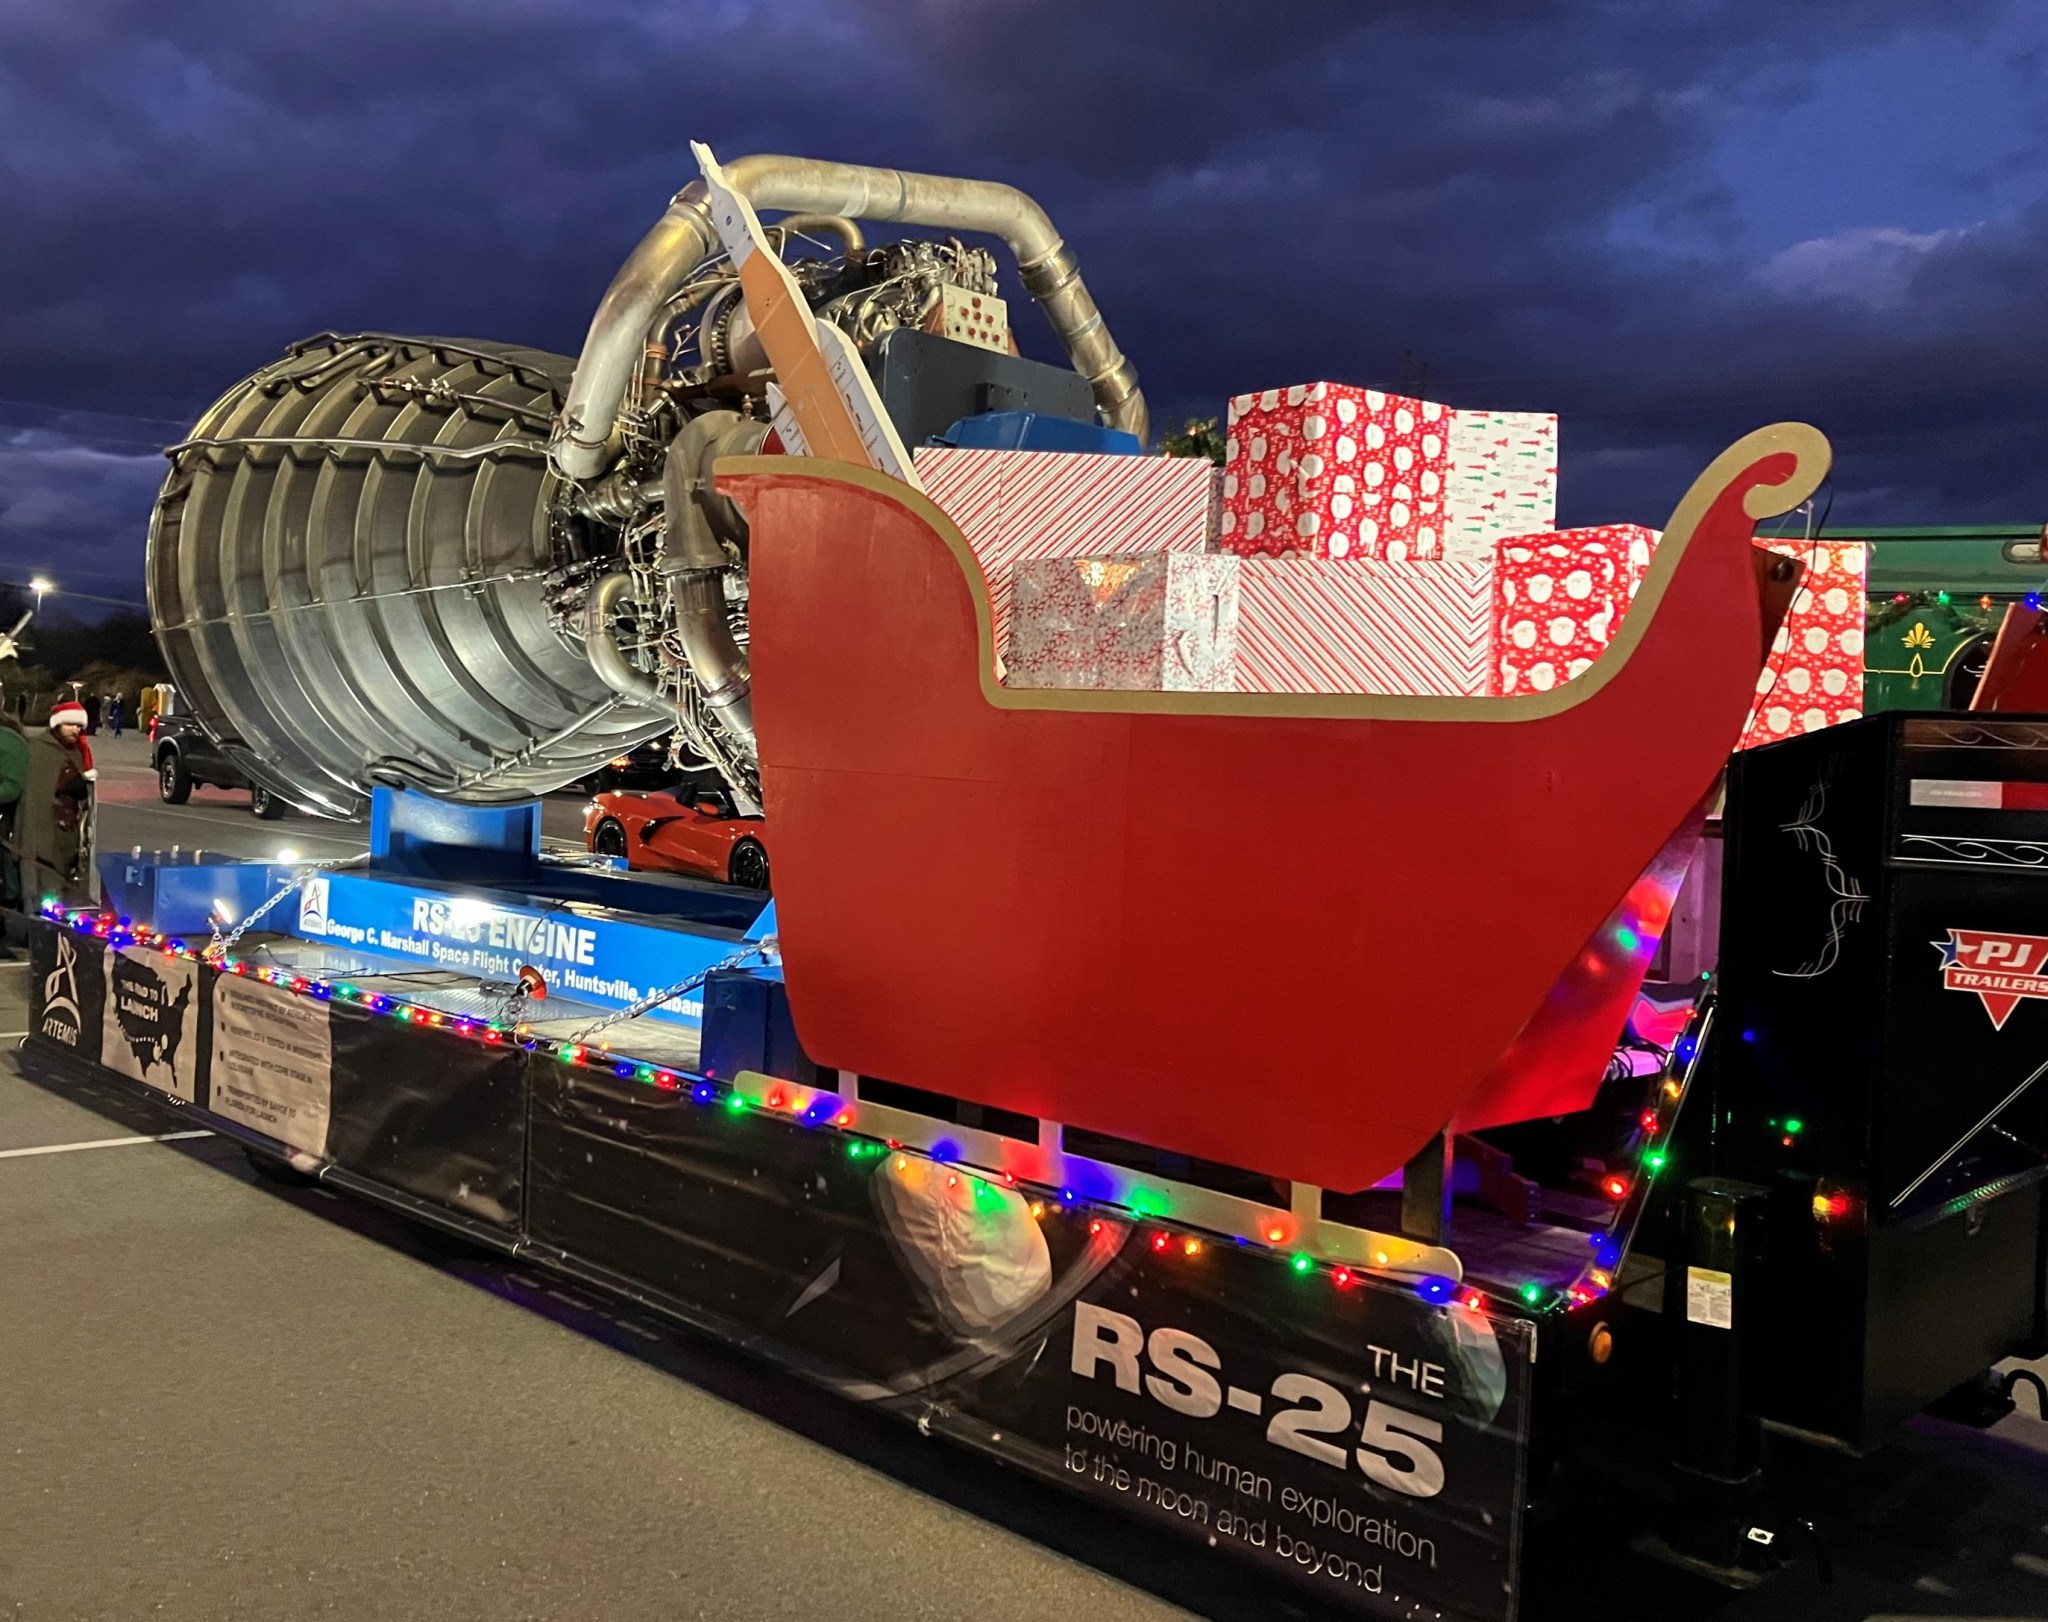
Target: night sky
x=1668 y=220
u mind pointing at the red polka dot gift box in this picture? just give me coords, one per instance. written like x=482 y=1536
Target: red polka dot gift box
x=1815 y=675
x=1558 y=599
x=1327 y=470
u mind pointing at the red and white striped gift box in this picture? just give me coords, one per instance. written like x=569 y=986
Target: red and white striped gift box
x=1311 y=626
x=1014 y=505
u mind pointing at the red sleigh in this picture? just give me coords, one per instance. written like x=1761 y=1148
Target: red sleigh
x=1268 y=930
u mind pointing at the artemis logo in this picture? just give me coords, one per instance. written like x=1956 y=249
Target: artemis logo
x=313 y=908
x=2001 y=969
x=61 y=1019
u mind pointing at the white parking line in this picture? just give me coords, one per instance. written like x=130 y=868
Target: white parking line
x=98 y=1143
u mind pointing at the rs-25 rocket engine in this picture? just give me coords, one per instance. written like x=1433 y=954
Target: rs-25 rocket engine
x=483 y=570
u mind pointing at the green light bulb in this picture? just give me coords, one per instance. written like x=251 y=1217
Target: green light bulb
x=1655 y=1159
x=1532 y=1292
x=1302 y=1264
x=1794 y=1125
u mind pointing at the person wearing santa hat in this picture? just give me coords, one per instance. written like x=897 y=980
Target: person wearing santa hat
x=52 y=839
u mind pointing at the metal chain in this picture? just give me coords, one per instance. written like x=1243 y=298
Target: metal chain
x=654 y=999
x=301 y=872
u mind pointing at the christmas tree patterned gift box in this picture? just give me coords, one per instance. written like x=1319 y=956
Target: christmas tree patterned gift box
x=1326 y=470
x=1814 y=678
x=1502 y=480
x=1558 y=599
x=1167 y=623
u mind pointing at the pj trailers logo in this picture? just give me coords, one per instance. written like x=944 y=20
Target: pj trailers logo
x=2001 y=969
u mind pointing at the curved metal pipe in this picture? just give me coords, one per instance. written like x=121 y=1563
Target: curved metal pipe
x=683 y=238
x=615 y=669
x=694 y=564
x=837 y=225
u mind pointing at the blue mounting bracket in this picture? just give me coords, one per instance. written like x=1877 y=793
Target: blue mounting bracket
x=416 y=836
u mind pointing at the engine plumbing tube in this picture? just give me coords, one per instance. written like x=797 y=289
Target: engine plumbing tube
x=693 y=568
x=683 y=238
x=693 y=562
x=611 y=665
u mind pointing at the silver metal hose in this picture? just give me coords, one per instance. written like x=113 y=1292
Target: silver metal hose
x=837 y=225
x=606 y=658
x=693 y=562
x=683 y=238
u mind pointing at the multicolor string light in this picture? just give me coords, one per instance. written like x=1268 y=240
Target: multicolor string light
x=825 y=1110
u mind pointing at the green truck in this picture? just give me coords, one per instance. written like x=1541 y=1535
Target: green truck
x=1937 y=596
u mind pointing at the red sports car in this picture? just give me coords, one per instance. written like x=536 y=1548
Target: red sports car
x=698 y=831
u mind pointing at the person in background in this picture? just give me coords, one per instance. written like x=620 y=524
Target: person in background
x=114 y=714
x=14 y=761
x=91 y=702
x=52 y=832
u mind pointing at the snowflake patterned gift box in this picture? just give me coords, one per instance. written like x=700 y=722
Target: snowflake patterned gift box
x=1558 y=599
x=1306 y=625
x=1815 y=675
x=1015 y=505
x=1326 y=470
x=1166 y=622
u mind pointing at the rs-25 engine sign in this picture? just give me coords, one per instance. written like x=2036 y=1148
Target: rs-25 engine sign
x=1366 y=1443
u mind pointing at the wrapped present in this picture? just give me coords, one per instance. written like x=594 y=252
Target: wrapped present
x=1326 y=470
x=1016 y=505
x=1167 y=622
x=1313 y=626
x=1815 y=675
x=1502 y=480
x=1558 y=599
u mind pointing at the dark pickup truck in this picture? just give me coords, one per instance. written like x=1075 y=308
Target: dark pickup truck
x=185 y=757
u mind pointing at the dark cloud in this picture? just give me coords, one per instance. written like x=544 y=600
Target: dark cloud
x=1534 y=199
